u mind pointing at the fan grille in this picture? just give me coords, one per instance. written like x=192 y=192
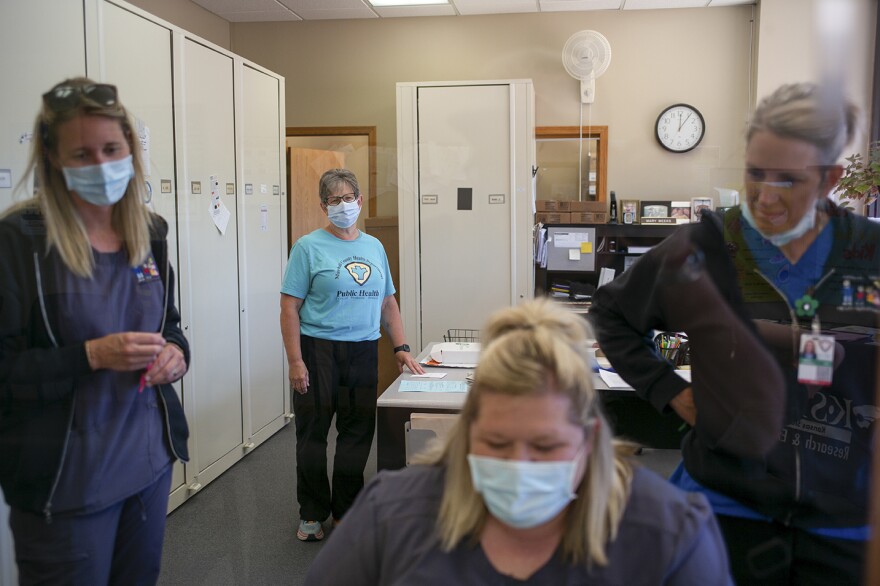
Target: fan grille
x=585 y=53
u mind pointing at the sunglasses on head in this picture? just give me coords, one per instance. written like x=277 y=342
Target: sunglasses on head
x=65 y=97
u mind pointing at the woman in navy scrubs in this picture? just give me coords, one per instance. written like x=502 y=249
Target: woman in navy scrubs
x=90 y=343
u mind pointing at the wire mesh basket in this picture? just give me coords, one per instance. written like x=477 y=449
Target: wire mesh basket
x=461 y=335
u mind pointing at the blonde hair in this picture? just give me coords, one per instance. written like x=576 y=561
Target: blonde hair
x=65 y=230
x=525 y=348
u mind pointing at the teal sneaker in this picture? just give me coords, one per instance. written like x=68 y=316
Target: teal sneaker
x=310 y=531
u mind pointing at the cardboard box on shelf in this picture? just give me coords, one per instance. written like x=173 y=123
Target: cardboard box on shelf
x=588 y=206
x=588 y=217
x=551 y=205
x=553 y=217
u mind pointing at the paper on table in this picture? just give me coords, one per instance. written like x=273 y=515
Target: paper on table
x=438 y=386
x=685 y=374
x=429 y=375
x=613 y=380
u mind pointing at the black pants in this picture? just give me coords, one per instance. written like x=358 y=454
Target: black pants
x=771 y=553
x=342 y=381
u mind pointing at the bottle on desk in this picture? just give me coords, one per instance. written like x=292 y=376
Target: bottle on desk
x=612 y=215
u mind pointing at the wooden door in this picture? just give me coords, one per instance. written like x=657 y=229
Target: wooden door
x=306 y=168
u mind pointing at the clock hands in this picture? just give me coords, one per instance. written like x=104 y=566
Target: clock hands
x=679 y=138
x=681 y=122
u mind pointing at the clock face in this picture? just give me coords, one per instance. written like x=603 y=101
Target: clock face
x=680 y=128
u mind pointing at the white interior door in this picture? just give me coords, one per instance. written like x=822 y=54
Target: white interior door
x=263 y=249
x=464 y=206
x=31 y=66
x=209 y=258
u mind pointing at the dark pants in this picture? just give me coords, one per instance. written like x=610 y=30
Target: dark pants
x=773 y=554
x=342 y=380
x=121 y=544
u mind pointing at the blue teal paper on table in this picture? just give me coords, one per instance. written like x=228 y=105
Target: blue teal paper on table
x=434 y=386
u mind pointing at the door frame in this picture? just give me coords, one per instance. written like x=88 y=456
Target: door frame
x=573 y=132
x=368 y=131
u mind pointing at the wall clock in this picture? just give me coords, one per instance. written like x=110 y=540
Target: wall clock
x=680 y=128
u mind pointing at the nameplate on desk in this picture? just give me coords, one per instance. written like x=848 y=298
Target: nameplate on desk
x=658 y=221
x=433 y=386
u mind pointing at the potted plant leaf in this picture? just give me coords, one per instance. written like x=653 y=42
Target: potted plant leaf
x=860 y=184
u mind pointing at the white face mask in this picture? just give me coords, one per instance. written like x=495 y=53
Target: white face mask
x=523 y=494
x=344 y=215
x=101 y=185
x=803 y=226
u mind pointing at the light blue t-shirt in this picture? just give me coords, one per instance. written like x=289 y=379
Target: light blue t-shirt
x=342 y=284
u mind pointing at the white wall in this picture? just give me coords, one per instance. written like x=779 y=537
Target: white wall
x=819 y=40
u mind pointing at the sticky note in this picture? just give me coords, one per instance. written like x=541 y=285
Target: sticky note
x=574 y=254
x=586 y=247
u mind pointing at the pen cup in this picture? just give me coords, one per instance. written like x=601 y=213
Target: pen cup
x=673 y=347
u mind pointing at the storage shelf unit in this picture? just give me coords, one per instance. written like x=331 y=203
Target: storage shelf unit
x=201 y=112
x=466 y=220
x=623 y=237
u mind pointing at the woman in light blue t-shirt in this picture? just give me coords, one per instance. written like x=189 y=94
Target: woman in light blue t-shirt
x=336 y=293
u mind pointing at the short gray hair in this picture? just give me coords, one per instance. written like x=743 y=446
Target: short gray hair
x=331 y=179
x=810 y=113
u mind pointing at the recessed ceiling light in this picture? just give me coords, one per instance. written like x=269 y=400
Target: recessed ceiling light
x=406 y=2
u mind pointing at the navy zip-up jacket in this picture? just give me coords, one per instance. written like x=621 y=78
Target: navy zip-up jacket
x=37 y=378
x=815 y=471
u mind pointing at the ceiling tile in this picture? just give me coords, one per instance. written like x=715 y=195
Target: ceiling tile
x=260 y=16
x=286 y=10
x=653 y=4
x=573 y=5
x=427 y=10
x=730 y=2
x=329 y=9
x=468 y=7
x=218 y=6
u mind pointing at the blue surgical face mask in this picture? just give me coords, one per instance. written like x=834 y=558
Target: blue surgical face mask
x=803 y=226
x=101 y=185
x=344 y=215
x=523 y=494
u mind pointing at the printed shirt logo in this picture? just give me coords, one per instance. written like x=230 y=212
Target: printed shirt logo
x=830 y=426
x=146 y=272
x=359 y=271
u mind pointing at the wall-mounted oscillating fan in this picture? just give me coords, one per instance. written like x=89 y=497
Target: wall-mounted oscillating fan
x=586 y=56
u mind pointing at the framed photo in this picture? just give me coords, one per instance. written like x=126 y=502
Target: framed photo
x=681 y=211
x=629 y=211
x=655 y=209
x=698 y=204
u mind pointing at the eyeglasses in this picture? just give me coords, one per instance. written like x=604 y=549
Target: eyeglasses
x=335 y=200
x=65 y=97
x=776 y=185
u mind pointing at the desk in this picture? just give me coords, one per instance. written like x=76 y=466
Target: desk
x=393 y=409
x=630 y=417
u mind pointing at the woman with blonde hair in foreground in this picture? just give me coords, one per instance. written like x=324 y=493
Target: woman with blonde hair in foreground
x=528 y=487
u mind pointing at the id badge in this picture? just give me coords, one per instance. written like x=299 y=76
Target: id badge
x=816 y=361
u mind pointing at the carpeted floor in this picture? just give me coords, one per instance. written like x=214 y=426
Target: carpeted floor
x=241 y=528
